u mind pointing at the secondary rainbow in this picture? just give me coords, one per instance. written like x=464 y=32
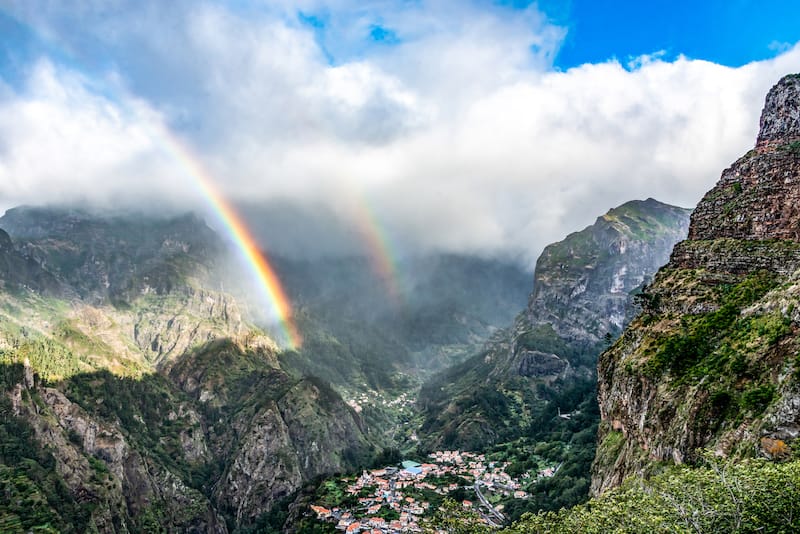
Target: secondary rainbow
x=380 y=251
x=256 y=259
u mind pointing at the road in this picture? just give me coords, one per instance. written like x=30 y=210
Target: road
x=500 y=517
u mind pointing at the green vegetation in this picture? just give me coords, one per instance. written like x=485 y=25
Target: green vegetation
x=793 y=147
x=721 y=344
x=750 y=496
x=33 y=498
x=706 y=342
x=146 y=408
x=453 y=518
x=544 y=339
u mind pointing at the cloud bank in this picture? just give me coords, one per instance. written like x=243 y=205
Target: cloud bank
x=446 y=123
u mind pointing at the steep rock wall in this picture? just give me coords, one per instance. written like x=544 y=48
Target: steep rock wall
x=711 y=362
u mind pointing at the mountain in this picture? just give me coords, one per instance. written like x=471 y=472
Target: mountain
x=582 y=296
x=137 y=396
x=114 y=259
x=711 y=363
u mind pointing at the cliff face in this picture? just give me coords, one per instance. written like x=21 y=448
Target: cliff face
x=21 y=272
x=114 y=259
x=582 y=294
x=711 y=361
x=583 y=284
x=136 y=397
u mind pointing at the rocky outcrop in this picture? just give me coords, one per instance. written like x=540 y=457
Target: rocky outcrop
x=533 y=363
x=275 y=431
x=582 y=298
x=264 y=470
x=101 y=468
x=711 y=361
x=583 y=285
x=306 y=433
x=197 y=317
x=327 y=436
x=583 y=289
x=780 y=119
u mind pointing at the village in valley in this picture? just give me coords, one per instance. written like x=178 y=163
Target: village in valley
x=394 y=499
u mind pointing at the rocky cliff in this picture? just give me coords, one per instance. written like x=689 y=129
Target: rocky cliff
x=115 y=259
x=138 y=397
x=583 y=291
x=711 y=361
x=583 y=285
x=19 y=272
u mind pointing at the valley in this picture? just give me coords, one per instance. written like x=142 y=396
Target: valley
x=648 y=363
x=182 y=383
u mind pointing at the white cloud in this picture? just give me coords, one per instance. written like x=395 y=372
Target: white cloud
x=61 y=142
x=460 y=137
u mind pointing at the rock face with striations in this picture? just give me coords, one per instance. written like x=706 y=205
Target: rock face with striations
x=582 y=286
x=711 y=361
x=583 y=292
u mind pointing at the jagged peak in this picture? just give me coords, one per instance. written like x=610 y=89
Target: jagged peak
x=780 y=118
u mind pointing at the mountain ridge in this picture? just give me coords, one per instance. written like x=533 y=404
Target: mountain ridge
x=711 y=362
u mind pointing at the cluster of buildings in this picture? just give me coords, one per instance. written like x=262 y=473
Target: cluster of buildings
x=386 y=502
x=373 y=398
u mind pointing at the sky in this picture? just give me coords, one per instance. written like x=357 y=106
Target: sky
x=488 y=127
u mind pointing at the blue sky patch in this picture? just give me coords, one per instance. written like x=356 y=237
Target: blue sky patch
x=728 y=32
x=383 y=35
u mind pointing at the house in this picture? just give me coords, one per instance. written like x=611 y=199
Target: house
x=322 y=512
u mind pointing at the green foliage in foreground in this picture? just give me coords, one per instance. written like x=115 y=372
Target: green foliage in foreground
x=751 y=496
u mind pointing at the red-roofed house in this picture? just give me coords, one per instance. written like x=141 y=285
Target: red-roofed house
x=322 y=512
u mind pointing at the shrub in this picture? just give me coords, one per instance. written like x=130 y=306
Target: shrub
x=758 y=398
x=751 y=496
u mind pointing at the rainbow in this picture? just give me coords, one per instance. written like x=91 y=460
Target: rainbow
x=268 y=281
x=380 y=251
x=257 y=261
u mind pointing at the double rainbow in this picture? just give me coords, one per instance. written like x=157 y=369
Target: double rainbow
x=370 y=229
